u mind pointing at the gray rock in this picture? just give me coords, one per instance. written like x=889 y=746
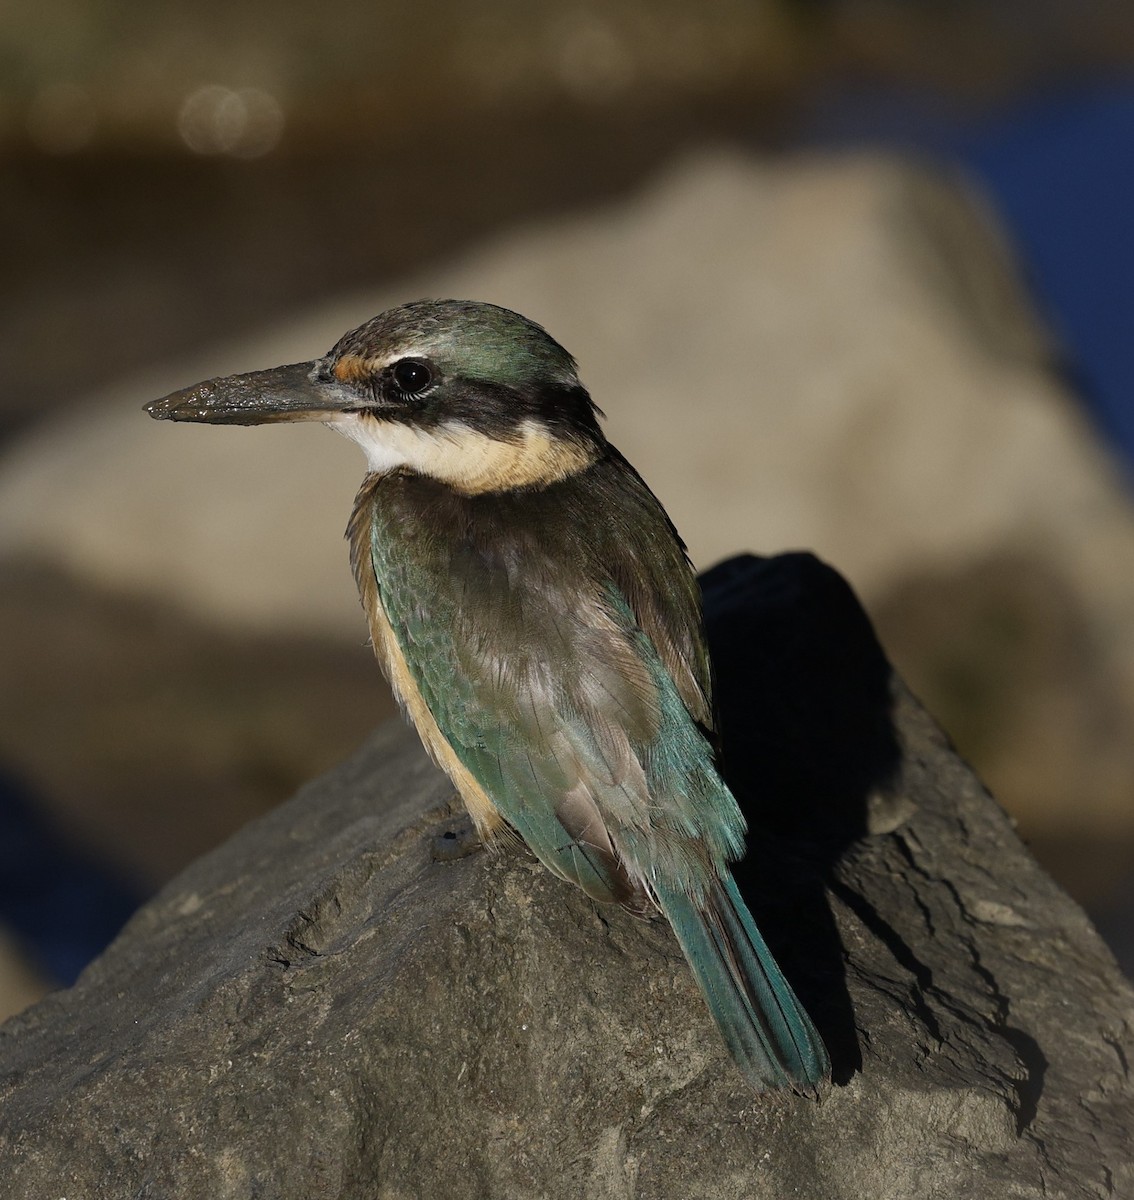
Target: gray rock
x=334 y=1005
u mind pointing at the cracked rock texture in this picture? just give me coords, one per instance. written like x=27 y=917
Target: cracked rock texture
x=338 y=1003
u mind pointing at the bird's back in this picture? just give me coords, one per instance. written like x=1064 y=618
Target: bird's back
x=555 y=638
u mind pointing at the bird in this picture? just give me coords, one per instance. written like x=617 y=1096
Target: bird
x=538 y=619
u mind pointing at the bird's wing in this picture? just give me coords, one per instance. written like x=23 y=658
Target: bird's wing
x=550 y=678
x=649 y=564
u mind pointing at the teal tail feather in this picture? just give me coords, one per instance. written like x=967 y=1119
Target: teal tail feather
x=765 y=1027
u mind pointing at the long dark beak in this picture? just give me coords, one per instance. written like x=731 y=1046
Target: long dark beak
x=291 y=393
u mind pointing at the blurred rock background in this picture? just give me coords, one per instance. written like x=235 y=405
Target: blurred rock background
x=851 y=276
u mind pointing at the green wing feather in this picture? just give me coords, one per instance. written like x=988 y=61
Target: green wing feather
x=767 y=1030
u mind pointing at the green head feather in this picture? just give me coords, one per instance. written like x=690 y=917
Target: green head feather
x=473 y=340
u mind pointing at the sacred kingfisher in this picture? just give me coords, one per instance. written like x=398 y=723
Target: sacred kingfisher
x=538 y=619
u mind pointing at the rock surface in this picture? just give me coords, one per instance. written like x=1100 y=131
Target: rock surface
x=332 y=1005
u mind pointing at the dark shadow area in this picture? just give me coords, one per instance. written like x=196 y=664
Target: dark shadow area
x=64 y=908
x=804 y=703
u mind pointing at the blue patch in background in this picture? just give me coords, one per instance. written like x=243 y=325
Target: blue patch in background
x=1058 y=168
x=1060 y=171
x=63 y=907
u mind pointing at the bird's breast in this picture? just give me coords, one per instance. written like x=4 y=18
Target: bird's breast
x=392 y=659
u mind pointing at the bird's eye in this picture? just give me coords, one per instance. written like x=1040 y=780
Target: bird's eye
x=412 y=376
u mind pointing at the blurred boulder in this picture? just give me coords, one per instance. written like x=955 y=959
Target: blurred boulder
x=1014 y=666
x=151 y=733
x=835 y=353
x=830 y=353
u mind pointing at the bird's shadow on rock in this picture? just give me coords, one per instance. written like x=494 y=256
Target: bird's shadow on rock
x=804 y=700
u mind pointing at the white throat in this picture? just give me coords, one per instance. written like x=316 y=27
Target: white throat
x=461 y=456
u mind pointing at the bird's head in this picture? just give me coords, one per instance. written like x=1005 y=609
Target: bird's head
x=471 y=394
